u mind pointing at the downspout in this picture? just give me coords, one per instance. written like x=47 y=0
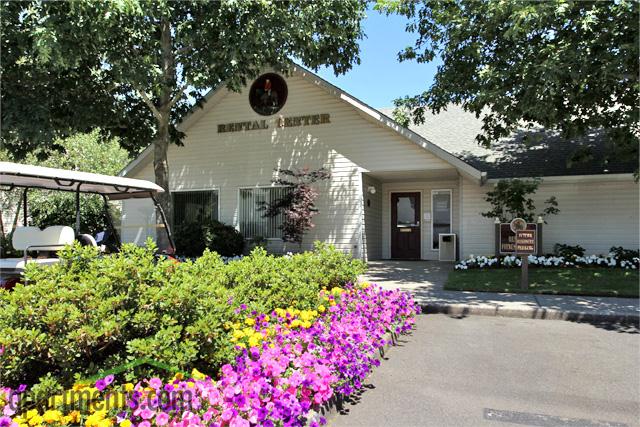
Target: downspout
x=483 y=178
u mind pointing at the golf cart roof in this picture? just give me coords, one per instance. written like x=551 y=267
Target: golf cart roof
x=114 y=187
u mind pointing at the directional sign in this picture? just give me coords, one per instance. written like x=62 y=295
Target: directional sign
x=526 y=241
x=508 y=237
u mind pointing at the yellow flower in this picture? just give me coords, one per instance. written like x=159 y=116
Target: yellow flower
x=51 y=416
x=31 y=413
x=73 y=417
x=295 y=323
x=195 y=374
x=253 y=341
x=78 y=386
x=365 y=285
x=35 y=420
x=128 y=387
x=267 y=318
x=125 y=423
x=306 y=324
x=237 y=334
x=321 y=308
x=94 y=420
x=249 y=321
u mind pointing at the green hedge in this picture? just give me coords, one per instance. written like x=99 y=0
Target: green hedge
x=91 y=313
x=193 y=238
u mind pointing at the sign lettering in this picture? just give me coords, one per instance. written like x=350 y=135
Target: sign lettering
x=281 y=122
x=526 y=241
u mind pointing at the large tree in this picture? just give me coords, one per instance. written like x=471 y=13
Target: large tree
x=570 y=66
x=149 y=61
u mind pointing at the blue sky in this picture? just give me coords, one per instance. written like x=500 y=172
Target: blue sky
x=380 y=78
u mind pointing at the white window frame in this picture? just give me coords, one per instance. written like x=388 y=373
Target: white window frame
x=254 y=187
x=441 y=190
x=188 y=190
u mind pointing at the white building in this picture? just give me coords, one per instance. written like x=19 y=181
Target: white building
x=392 y=190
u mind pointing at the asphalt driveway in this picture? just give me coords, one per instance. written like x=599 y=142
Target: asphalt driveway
x=493 y=371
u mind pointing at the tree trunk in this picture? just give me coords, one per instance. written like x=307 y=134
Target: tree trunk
x=161 y=143
x=161 y=170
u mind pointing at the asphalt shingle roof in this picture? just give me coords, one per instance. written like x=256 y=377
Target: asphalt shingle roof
x=546 y=153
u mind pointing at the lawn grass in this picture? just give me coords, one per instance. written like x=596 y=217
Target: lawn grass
x=592 y=281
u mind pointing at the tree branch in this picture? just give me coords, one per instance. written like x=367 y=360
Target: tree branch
x=148 y=101
x=178 y=95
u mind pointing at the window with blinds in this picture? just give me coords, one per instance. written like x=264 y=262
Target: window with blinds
x=194 y=206
x=252 y=221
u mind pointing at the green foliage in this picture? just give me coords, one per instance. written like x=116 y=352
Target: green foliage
x=568 y=251
x=266 y=281
x=6 y=248
x=625 y=254
x=82 y=152
x=569 y=66
x=192 y=238
x=91 y=313
x=511 y=199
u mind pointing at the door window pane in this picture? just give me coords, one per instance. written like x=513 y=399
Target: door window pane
x=441 y=221
x=406 y=211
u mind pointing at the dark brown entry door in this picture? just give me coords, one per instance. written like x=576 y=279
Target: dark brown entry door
x=405 y=225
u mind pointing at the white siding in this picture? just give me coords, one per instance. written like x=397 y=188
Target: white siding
x=425 y=188
x=348 y=146
x=372 y=218
x=594 y=214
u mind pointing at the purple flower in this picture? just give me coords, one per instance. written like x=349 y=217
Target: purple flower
x=108 y=379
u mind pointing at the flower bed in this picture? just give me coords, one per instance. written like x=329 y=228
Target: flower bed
x=288 y=363
x=612 y=260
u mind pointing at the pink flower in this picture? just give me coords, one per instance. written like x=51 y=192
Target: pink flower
x=155 y=383
x=162 y=419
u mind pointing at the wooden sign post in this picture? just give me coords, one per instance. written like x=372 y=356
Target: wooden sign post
x=525 y=245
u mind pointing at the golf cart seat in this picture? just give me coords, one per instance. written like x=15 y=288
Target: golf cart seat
x=28 y=239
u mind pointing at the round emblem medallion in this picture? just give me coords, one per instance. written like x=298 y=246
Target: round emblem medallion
x=518 y=224
x=268 y=94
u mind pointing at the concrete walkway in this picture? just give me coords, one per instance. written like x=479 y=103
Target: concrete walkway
x=426 y=279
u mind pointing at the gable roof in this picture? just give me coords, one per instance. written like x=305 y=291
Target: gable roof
x=546 y=154
x=216 y=95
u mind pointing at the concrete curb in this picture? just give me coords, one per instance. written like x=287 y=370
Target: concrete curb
x=528 y=313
